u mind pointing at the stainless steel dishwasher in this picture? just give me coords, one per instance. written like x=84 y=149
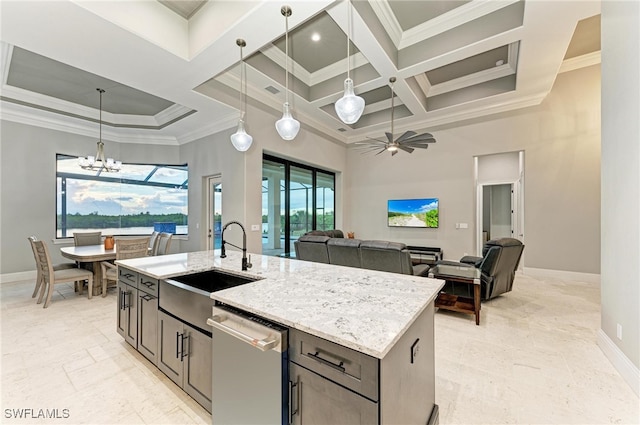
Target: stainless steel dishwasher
x=249 y=369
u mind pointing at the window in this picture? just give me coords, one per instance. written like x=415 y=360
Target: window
x=134 y=201
x=296 y=198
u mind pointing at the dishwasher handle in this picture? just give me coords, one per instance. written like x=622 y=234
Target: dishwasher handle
x=265 y=344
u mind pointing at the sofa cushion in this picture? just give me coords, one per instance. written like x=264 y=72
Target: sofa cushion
x=386 y=256
x=344 y=252
x=312 y=248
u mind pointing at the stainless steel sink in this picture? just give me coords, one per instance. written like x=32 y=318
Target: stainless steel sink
x=188 y=297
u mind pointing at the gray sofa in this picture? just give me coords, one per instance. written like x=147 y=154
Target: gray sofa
x=385 y=256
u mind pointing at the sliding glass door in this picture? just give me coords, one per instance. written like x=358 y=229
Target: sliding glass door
x=296 y=199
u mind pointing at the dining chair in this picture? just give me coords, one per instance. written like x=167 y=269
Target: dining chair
x=163 y=244
x=87 y=238
x=153 y=240
x=39 y=276
x=51 y=277
x=125 y=249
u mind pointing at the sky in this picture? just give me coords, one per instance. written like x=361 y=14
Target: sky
x=413 y=206
x=105 y=198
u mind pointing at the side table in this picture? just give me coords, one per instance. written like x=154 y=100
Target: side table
x=463 y=274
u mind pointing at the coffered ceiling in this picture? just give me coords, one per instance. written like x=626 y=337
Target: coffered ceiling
x=171 y=68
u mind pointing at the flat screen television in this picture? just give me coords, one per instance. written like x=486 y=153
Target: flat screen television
x=413 y=212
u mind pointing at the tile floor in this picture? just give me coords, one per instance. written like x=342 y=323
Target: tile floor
x=533 y=360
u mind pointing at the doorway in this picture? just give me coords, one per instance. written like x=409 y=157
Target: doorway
x=499 y=198
x=214 y=212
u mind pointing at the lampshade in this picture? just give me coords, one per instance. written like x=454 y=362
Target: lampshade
x=287 y=126
x=349 y=107
x=241 y=140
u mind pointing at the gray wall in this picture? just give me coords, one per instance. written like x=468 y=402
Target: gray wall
x=28 y=185
x=620 y=287
x=561 y=140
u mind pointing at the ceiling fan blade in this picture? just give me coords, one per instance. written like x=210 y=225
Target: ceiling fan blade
x=389 y=137
x=405 y=148
x=425 y=140
x=382 y=150
x=406 y=135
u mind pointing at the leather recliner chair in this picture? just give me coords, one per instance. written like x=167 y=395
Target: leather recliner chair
x=498 y=264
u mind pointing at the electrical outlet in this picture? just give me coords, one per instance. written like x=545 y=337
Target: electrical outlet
x=619 y=331
x=415 y=349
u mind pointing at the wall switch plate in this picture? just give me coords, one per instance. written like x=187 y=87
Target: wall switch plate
x=255 y=227
x=415 y=349
x=464 y=225
x=619 y=331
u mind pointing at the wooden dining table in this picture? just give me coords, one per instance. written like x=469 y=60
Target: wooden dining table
x=90 y=254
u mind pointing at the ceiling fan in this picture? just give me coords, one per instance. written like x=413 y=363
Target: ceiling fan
x=408 y=142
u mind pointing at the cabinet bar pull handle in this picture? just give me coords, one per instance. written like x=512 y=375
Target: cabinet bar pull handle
x=147 y=297
x=265 y=344
x=182 y=354
x=316 y=356
x=292 y=412
x=178 y=345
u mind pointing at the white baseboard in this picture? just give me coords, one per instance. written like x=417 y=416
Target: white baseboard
x=562 y=275
x=13 y=277
x=629 y=372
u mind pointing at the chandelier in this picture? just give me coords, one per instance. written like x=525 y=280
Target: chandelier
x=98 y=162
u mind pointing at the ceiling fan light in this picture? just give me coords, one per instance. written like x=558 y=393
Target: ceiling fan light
x=240 y=139
x=349 y=107
x=392 y=148
x=287 y=126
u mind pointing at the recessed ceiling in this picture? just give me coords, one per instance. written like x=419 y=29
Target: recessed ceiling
x=453 y=60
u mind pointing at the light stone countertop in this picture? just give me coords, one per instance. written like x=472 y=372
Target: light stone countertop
x=365 y=310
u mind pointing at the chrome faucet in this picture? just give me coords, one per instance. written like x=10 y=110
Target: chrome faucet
x=246 y=264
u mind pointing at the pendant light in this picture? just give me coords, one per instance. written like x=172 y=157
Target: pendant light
x=349 y=107
x=287 y=126
x=99 y=162
x=240 y=139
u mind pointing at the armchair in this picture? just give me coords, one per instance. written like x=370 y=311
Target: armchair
x=498 y=264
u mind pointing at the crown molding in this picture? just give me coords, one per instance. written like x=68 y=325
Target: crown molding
x=388 y=20
x=578 y=62
x=472 y=79
x=456 y=17
x=22 y=114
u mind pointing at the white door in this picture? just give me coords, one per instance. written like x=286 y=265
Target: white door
x=214 y=212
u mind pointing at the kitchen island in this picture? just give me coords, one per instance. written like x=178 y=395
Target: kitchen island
x=387 y=317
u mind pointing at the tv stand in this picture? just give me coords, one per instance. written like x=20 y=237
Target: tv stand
x=425 y=255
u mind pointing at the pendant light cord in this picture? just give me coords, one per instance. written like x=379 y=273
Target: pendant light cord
x=348 y=35
x=286 y=60
x=100 y=91
x=242 y=87
x=392 y=109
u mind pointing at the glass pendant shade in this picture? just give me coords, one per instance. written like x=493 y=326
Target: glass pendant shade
x=240 y=139
x=287 y=126
x=349 y=107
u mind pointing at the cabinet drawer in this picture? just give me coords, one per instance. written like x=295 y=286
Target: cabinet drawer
x=128 y=276
x=347 y=367
x=148 y=285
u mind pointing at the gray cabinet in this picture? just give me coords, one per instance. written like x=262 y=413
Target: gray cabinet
x=333 y=384
x=147 y=318
x=184 y=355
x=127 y=323
x=318 y=400
x=138 y=311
